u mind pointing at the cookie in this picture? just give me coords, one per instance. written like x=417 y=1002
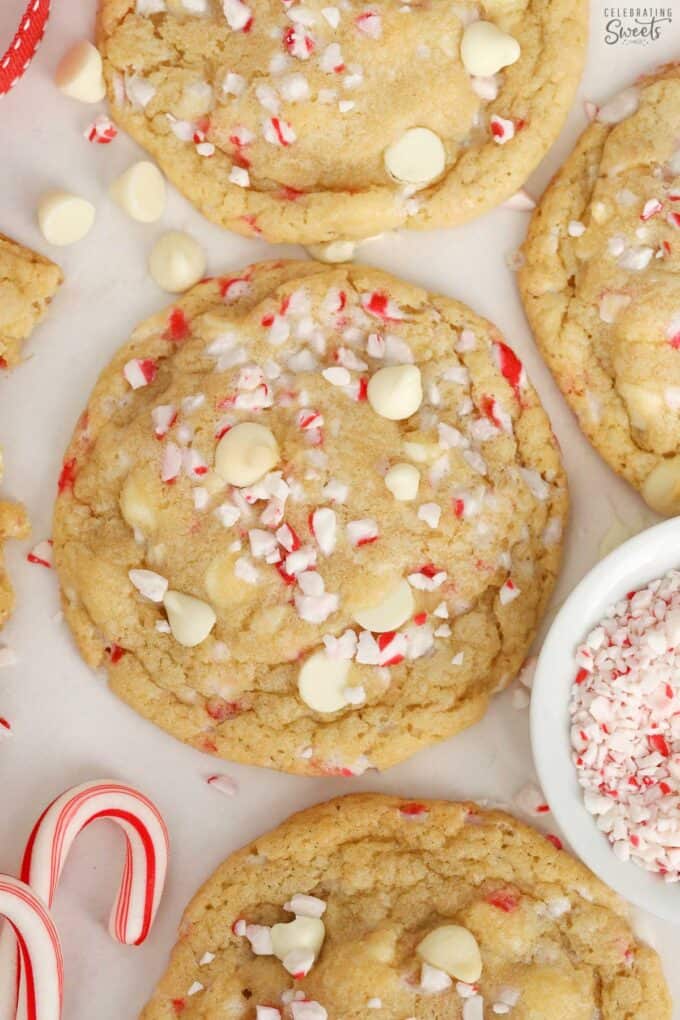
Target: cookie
x=28 y=282
x=311 y=122
x=601 y=284
x=428 y=909
x=310 y=518
x=13 y=524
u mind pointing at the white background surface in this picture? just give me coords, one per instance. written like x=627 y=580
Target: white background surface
x=68 y=727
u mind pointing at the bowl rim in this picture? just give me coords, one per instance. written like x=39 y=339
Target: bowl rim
x=639 y=560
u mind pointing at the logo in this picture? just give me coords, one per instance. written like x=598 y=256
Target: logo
x=635 y=25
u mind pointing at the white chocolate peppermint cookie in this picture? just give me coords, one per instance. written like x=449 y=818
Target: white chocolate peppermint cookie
x=28 y=282
x=601 y=284
x=315 y=122
x=403 y=909
x=310 y=518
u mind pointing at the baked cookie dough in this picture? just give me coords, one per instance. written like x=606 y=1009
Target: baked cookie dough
x=13 y=524
x=601 y=284
x=407 y=910
x=310 y=518
x=310 y=122
x=28 y=282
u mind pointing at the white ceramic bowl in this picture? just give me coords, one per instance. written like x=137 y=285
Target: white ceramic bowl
x=649 y=555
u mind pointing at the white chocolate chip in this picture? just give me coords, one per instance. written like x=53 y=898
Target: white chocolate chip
x=322 y=683
x=403 y=480
x=79 y=74
x=176 y=262
x=135 y=507
x=661 y=489
x=298 y=942
x=418 y=157
x=642 y=404
x=140 y=191
x=190 y=619
x=335 y=251
x=454 y=950
x=395 y=392
x=394 y=610
x=246 y=453
x=64 y=218
x=485 y=49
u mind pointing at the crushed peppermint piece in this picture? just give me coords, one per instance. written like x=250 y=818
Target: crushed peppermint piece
x=41 y=554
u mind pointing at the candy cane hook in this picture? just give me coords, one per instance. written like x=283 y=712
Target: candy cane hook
x=142 y=882
x=42 y=965
x=146 y=859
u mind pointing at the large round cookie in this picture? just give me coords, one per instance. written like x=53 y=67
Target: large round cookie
x=287 y=659
x=274 y=117
x=601 y=284
x=553 y=941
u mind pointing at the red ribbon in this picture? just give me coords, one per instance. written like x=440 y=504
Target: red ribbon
x=26 y=41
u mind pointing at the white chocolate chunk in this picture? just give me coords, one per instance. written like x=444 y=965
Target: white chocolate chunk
x=135 y=507
x=79 y=73
x=335 y=251
x=661 y=489
x=394 y=610
x=64 y=218
x=642 y=404
x=322 y=683
x=418 y=157
x=246 y=453
x=395 y=392
x=485 y=49
x=403 y=480
x=190 y=619
x=298 y=942
x=140 y=192
x=454 y=950
x=177 y=262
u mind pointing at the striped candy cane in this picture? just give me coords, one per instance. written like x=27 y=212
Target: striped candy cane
x=24 y=44
x=39 y=950
x=144 y=871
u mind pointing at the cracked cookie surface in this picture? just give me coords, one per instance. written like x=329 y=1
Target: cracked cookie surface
x=28 y=282
x=554 y=941
x=275 y=118
x=601 y=284
x=291 y=667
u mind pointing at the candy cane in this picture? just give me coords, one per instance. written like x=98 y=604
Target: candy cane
x=42 y=964
x=144 y=871
x=24 y=44
x=146 y=860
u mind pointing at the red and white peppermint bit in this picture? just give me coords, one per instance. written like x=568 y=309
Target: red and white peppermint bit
x=102 y=130
x=41 y=554
x=39 y=960
x=625 y=725
x=224 y=783
x=502 y=130
x=23 y=47
x=140 y=372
